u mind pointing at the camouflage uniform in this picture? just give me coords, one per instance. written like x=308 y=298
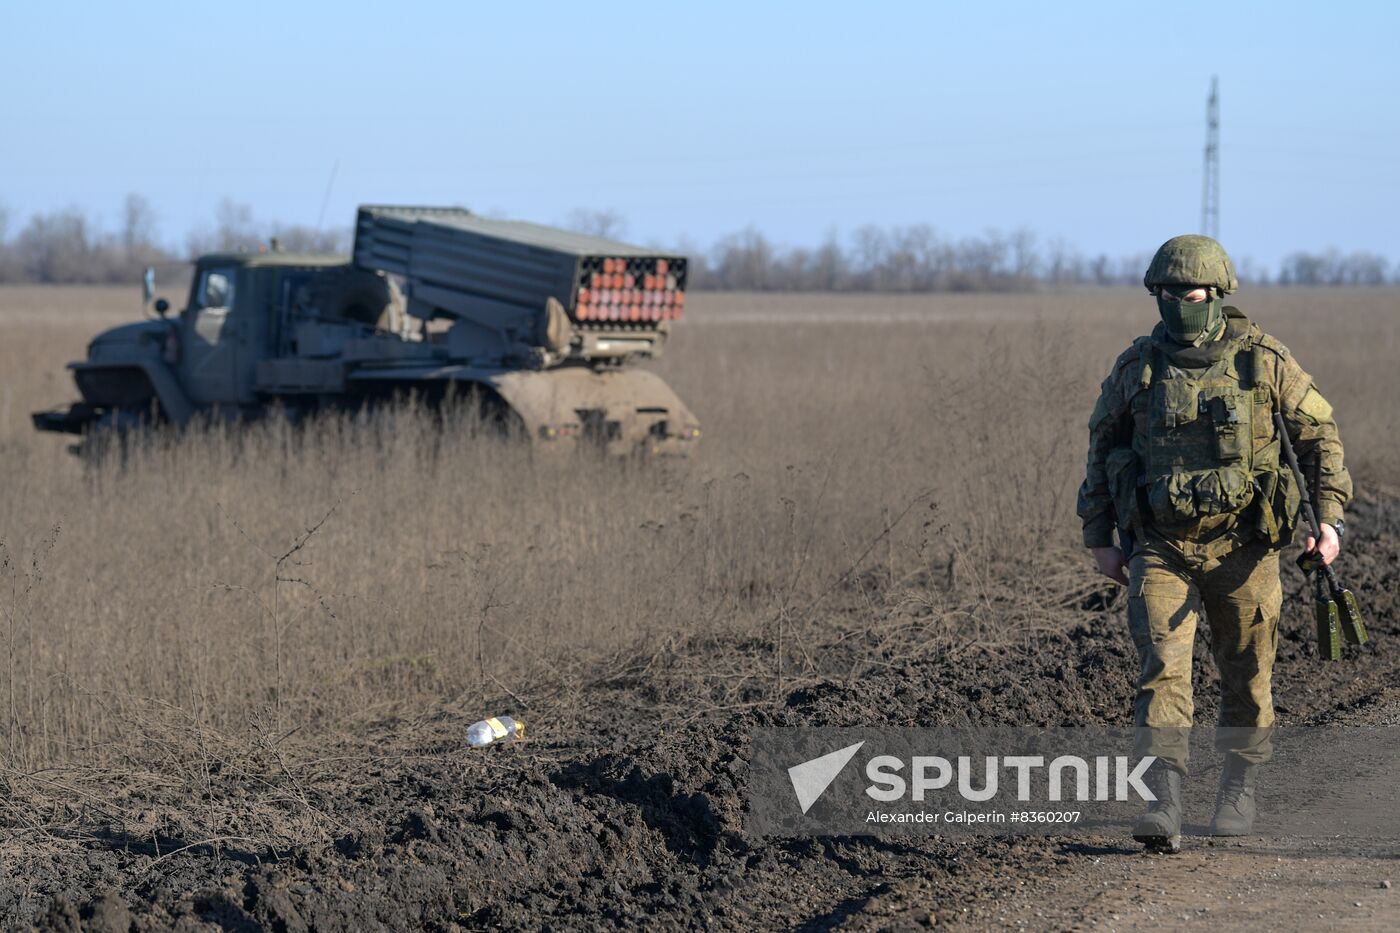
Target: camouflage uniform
x=1183 y=454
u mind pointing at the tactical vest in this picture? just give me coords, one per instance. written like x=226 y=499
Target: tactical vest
x=1204 y=461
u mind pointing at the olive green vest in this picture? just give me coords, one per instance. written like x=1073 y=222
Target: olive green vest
x=1204 y=461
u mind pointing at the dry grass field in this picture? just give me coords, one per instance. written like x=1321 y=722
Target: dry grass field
x=880 y=477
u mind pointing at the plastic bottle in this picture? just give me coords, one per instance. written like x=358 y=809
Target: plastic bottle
x=495 y=729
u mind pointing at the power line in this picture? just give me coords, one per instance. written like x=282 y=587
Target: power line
x=1210 y=188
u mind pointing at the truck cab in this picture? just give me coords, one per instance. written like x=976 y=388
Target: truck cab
x=246 y=311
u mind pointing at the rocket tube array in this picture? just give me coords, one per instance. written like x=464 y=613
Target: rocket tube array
x=616 y=289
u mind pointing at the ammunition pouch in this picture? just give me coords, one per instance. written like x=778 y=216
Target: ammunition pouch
x=1183 y=498
x=1278 y=498
x=1199 y=443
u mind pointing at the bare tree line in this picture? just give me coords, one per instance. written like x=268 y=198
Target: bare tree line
x=917 y=259
x=1336 y=268
x=904 y=259
x=67 y=246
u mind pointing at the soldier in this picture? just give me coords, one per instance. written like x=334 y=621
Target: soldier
x=1184 y=462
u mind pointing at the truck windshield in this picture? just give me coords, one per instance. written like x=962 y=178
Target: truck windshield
x=215 y=289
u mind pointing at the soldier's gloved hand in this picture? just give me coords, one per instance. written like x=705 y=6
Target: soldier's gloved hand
x=1331 y=544
x=1111 y=563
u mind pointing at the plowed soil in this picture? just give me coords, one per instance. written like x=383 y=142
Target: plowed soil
x=626 y=814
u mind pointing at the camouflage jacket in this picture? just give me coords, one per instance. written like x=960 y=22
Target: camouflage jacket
x=1267 y=380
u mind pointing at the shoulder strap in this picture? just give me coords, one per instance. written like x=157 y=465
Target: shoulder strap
x=1247 y=365
x=1145 y=362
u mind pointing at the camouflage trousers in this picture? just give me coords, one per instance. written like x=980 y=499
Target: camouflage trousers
x=1169 y=589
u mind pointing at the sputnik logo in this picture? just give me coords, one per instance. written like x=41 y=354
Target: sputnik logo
x=811 y=778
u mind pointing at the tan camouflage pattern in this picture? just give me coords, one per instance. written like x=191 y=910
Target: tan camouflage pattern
x=1169 y=592
x=1222 y=568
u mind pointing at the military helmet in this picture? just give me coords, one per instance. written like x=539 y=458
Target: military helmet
x=1192 y=260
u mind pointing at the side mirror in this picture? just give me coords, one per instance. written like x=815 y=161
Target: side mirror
x=162 y=306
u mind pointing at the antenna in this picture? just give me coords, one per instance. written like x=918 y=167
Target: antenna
x=321 y=217
x=1210 y=187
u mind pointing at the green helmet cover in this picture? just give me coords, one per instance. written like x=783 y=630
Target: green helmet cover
x=1192 y=260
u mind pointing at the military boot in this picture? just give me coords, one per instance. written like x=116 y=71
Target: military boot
x=1159 y=829
x=1234 y=804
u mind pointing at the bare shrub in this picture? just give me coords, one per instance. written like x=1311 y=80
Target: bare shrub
x=879 y=477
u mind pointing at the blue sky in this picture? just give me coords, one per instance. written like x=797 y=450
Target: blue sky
x=1078 y=120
